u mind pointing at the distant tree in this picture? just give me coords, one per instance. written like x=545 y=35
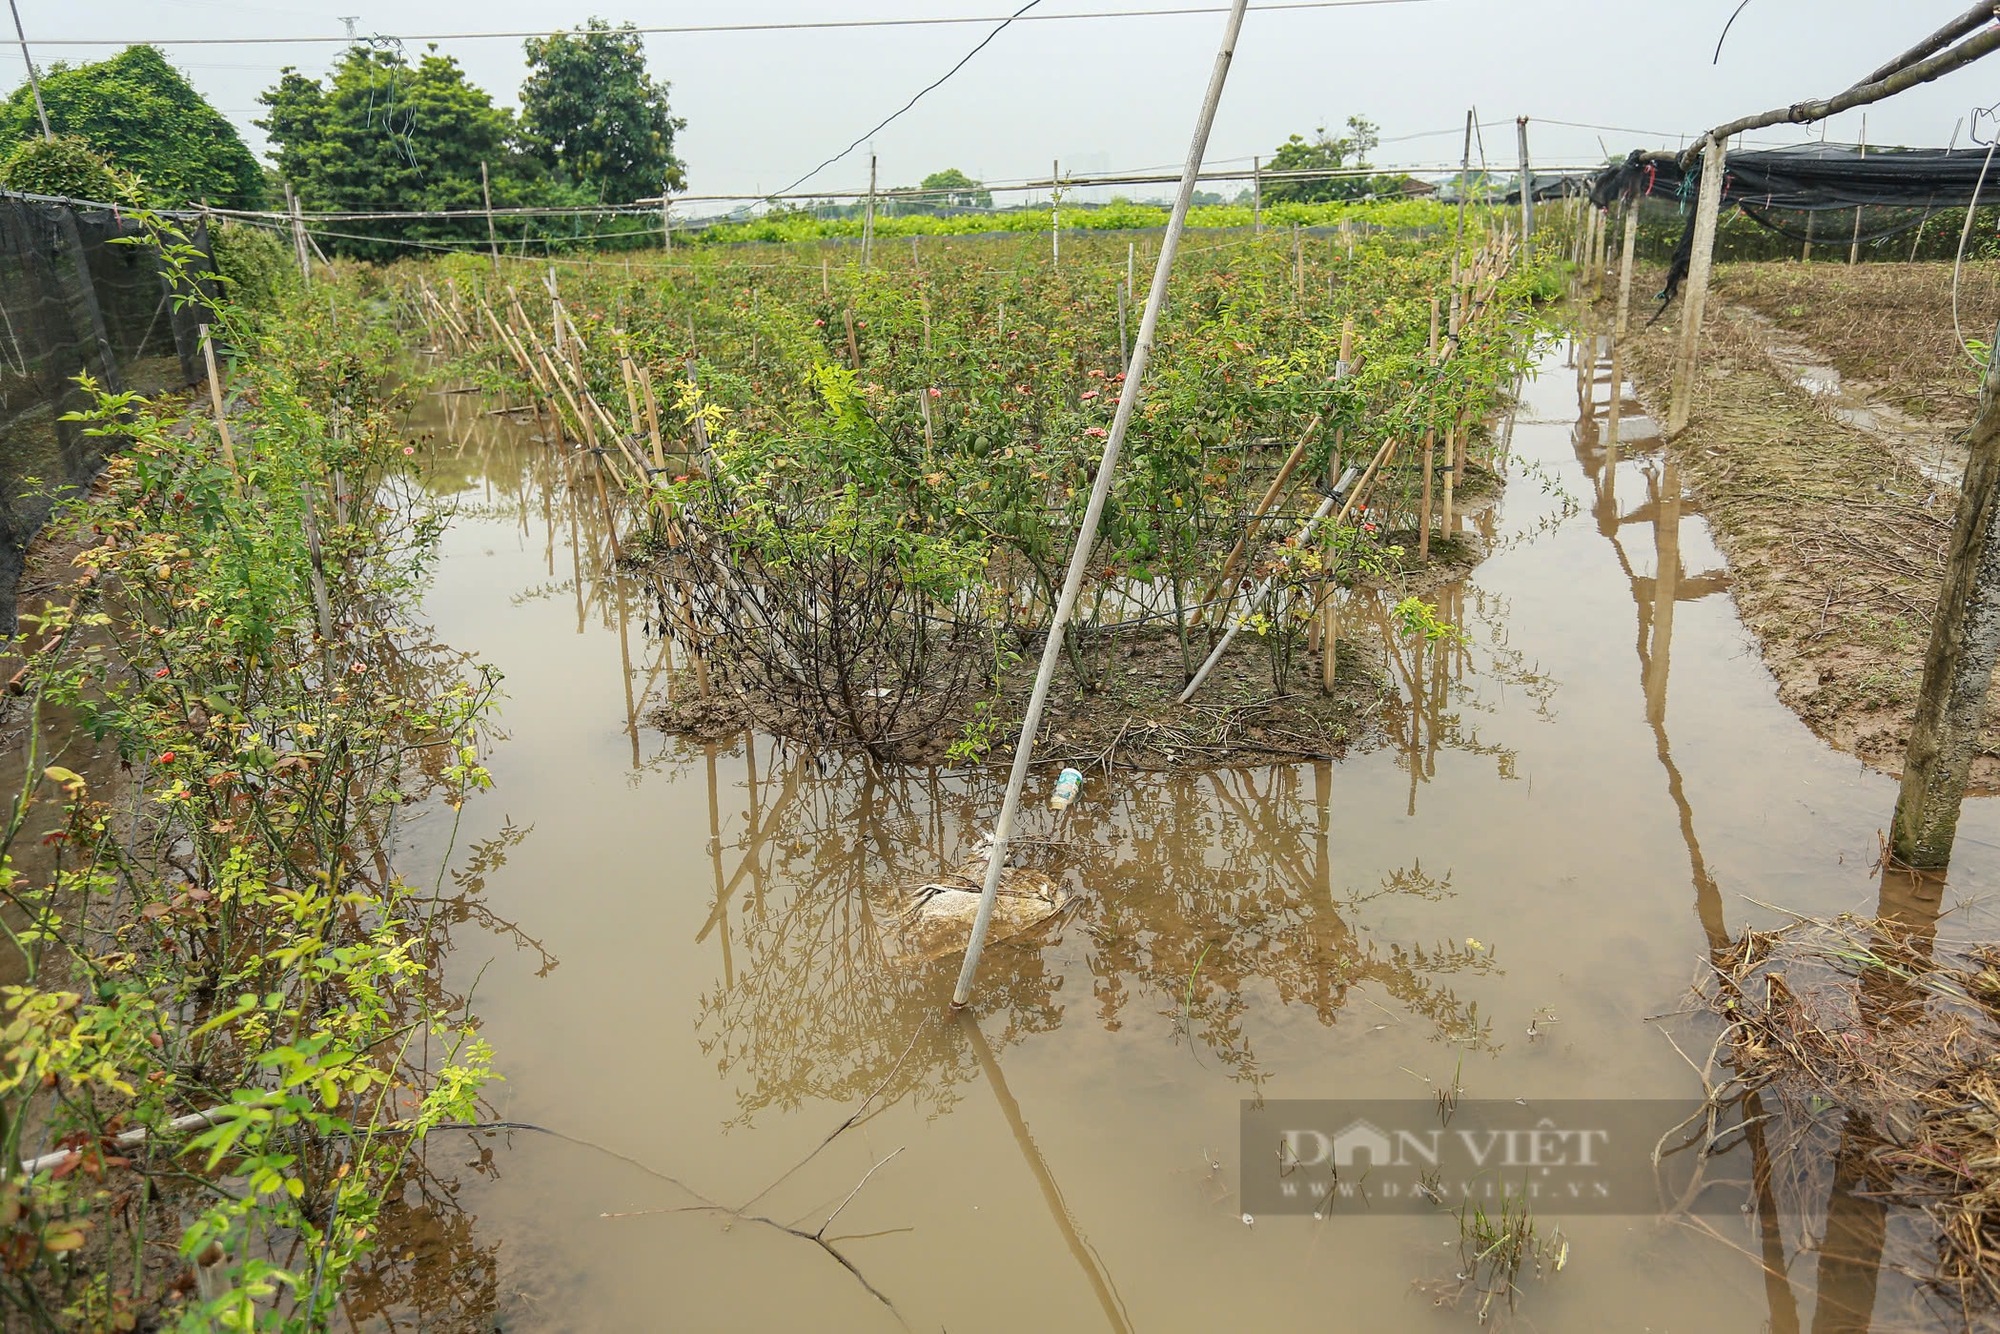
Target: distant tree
x=594 y=116
x=67 y=167
x=960 y=190
x=1323 y=152
x=143 y=114
x=382 y=134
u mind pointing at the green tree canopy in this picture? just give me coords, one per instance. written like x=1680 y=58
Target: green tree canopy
x=143 y=115
x=67 y=167
x=383 y=134
x=596 y=118
x=959 y=190
x=1323 y=152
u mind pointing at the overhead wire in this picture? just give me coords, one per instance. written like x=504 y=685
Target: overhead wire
x=931 y=87
x=696 y=29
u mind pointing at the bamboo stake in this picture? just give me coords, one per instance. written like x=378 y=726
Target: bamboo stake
x=1450 y=475
x=631 y=387
x=1100 y=491
x=1424 y=530
x=652 y=417
x=1271 y=493
x=221 y=418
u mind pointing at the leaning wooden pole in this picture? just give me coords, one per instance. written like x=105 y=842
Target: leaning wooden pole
x=1695 y=302
x=1527 y=189
x=1626 y=262
x=1100 y=491
x=1958 y=666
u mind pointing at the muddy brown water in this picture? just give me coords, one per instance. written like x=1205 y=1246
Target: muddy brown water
x=678 y=954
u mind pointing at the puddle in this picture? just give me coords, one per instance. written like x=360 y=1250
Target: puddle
x=1936 y=453
x=679 y=951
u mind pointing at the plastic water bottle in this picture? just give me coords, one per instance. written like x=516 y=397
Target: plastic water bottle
x=1068 y=784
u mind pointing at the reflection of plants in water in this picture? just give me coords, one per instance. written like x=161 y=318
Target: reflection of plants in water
x=1201 y=895
x=430 y=1271
x=469 y=879
x=811 y=1004
x=1505 y=663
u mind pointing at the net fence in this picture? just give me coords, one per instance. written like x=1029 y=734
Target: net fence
x=81 y=293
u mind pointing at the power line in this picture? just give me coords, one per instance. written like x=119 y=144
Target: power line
x=865 y=136
x=698 y=29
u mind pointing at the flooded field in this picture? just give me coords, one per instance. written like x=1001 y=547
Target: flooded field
x=677 y=953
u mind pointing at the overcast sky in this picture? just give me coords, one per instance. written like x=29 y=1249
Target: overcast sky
x=763 y=108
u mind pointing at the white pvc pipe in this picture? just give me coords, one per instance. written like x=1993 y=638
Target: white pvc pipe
x=50 y=1161
x=1100 y=491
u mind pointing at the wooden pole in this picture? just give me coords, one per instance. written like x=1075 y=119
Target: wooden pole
x=299 y=235
x=1055 y=213
x=868 y=227
x=1958 y=666
x=1707 y=212
x=1100 y=491
x=1124 y=353
x=1527 y=188
x=1854 y=250
x=34 y=79
x=666 y=222
x=1601 y=225
x=492 y=238
x=1626 y=262
x=1464 y=189
x=221 y=417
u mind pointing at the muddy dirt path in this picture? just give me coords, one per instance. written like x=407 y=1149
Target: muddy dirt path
x=677 y=952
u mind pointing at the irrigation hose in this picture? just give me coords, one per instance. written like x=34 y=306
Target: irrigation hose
x=1959 y=263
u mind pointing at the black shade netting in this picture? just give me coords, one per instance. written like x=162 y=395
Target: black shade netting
x=76 y=299
x=1836 y=195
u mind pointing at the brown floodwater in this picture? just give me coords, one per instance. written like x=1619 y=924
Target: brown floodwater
x=677 y=951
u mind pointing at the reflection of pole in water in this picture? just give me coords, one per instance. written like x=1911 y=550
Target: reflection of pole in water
x=625 y=670
x=1611 y=426
x=1087 y=1258
x=1666 y=586
x=1654 y=634
x=715 y=857
x=1857 y=1219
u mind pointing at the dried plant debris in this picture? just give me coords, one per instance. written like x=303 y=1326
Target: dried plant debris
x=1864 y=1072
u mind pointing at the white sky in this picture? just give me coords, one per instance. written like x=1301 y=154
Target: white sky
x=762 y=108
